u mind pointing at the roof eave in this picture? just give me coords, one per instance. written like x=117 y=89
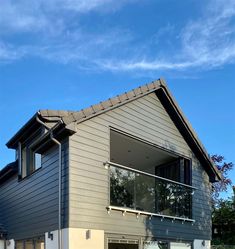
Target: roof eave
x=33 y=124
x=12 y=143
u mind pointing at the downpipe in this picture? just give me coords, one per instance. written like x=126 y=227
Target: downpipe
x=59 y=180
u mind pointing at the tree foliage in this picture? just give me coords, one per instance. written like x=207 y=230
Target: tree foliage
x=224 y=221
x=225 y=182
x=223 y=216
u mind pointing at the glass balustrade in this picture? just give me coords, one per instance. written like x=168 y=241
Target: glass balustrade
x=148 y=193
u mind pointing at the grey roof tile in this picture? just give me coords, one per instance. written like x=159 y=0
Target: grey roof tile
x=131 y=94
x=73 y=116
x=88 y=111
x=144 y=88
x=97 y=107
x=79 y=116
x=115 y=101
x=123 y=97
x=137 y=91
x=106 y=104
x=151 y=86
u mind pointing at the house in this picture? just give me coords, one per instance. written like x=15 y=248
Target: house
x=126 y=173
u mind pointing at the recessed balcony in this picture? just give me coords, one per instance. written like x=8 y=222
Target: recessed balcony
x=147 y=179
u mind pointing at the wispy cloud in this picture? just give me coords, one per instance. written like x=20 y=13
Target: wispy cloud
x=9 y=53
x=52 y=30
x=207 y=42
x=55 y=32
x=211 y=39
x=39 y=15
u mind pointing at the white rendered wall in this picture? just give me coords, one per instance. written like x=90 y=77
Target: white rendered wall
x=76 y=238
x=53 y=243
x=198 y=244
x=1 y=244
x=10 y=244
x=86 y=238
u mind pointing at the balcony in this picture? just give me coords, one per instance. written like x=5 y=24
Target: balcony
x=136 y=191
x=148 y=179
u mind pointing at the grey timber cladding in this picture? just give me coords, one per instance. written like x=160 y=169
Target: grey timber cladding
x=30 y=207
x=2 y=229
x=89 y=184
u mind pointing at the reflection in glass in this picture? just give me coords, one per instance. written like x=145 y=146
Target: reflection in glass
x=155 y=245
x=28 y=244
x=146 y=193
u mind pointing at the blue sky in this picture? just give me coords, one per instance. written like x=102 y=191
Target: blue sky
x=68 y=54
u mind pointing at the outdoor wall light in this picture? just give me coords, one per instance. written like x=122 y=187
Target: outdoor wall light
x=203 y=243
x=109 y=210
x=106 y=166
x=50 y=235
x=88 y=234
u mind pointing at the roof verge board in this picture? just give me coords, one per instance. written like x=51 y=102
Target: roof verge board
x=67 y=118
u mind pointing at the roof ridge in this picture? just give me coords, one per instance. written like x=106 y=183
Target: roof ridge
x=110 y=103
x=69 y=116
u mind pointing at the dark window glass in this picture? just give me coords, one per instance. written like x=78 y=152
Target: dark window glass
x=178 y=170
x=142 y=192
x=169 y=170
x=187 y=172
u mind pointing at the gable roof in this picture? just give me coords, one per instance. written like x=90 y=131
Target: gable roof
x=68 y=119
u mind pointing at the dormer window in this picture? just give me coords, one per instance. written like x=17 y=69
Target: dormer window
x=28 y=155
x=30 y=161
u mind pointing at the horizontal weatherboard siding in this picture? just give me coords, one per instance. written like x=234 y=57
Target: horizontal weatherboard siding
x=29 y=207
x=145 y=118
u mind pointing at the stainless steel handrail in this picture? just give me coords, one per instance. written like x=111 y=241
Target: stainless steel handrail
x=147 y=174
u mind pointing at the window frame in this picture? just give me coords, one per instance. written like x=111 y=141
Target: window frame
x=27 y=153
x=34 y=240
x=168 y=242
x=179 y=156
x=184 y=170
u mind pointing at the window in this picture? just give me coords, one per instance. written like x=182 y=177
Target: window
x=166 y=245
x=28 y=244
x=147 y=178
x=19 y=244
x=34 y=243
x=37 y=161
x=177 y=245
x=178 y=170
x=30 y=161
x=155 y=245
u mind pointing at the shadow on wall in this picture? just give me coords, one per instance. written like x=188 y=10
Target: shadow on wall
x=168 y=145
x=201 y=213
